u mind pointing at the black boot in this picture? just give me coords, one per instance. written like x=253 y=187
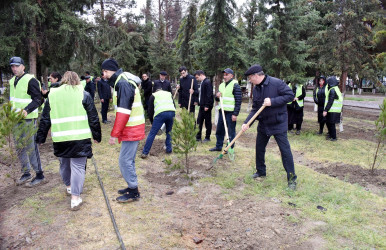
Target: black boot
x=123 y=191
x=133 y=195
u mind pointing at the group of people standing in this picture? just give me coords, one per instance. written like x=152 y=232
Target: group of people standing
x=71 y=115
x=329 y=101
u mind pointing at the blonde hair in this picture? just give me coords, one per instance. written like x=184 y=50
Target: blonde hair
x=71 y=78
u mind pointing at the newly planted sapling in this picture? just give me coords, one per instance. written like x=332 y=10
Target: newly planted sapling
x=184 y=136
x=15 y=135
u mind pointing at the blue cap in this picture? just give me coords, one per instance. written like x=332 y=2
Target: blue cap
x=228 y=71
x=163 y=73
x=16 y=61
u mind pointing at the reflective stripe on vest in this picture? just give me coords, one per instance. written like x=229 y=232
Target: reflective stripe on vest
x=136 y=113
x=19 y=97
x=69 y=121
x=163 y=101
x=337 y=104
x=298 y=93
x=227 y=95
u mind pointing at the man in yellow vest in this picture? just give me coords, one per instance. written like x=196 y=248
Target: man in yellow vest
x=230 y=92
x=25 y=95
x=129 y=125
x=332 y=107
x=161 y=111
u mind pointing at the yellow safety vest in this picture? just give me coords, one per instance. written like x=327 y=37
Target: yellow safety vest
x=136 y=113
x=19 y=97
x=337 y=104
x=227 y=95
x=69 y=121
x=163 y=101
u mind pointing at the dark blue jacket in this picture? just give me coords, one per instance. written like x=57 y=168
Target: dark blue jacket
x=104 y=90
x=273 y=119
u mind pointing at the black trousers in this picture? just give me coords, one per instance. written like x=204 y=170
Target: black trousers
x=204 y=116
x=105 y=108
x=331 y=130
x=321 y=126
x=285 y=150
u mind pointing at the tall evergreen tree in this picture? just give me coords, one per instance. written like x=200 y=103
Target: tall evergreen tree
x=185 y=34
x=216 y=49
x=345 y=43
x=282 y=47
x=161 y=54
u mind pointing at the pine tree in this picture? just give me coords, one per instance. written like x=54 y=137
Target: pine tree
x=281 y=42
x=344 y=45
x=184 y=136
x=15 y=134
x=217 y=49
x=184 y=36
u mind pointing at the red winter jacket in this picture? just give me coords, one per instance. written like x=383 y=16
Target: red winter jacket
x=125 y=98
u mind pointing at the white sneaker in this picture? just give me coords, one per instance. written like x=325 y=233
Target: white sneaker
x=75 y=204
x=68 y=191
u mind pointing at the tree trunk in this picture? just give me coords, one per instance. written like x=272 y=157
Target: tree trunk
x=187 y=163
x=1 y=78
x=102 y=9
x=32 y=47
x=342 y=82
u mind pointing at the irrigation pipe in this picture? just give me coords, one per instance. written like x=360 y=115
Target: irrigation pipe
x=108 y=206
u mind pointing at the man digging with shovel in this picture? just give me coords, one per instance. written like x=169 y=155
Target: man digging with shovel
x=230 y=92
x=274 y=94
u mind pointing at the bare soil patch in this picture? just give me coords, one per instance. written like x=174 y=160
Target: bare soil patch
x=375 y=183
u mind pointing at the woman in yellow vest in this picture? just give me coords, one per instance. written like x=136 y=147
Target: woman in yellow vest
x=332 y=107
x=295 y=108
x=71 y=114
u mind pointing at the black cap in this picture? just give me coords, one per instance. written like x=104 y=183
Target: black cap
x=110 y=64
x=16 y=61
x=228 y=71
x=199 y=72
x=253 y=70
x=163 y=73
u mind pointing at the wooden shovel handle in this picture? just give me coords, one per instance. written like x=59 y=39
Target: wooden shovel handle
x=175 y=93
x=241 y=131
x=224 y=120
x=190 y=96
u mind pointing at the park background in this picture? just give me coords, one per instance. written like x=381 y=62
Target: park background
x=339 y=203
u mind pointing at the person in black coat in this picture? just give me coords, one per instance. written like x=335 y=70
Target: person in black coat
x=205 y=101
x=90 y=86
x=274 y=94
x=147 y=86
x=162 y=83
x=104 y=92
x=73 y=153
x=184 y=90
x=333 y=97
x=295 y=108
x=319 y=98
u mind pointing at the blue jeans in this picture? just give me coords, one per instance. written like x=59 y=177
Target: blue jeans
x=220 y=131
x=285 y=150
x=164 y=117
x=127 y=162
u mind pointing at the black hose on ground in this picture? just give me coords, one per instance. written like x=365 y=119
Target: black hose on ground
x=108 y=206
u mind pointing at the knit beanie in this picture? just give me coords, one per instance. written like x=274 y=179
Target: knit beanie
x=110 y=64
